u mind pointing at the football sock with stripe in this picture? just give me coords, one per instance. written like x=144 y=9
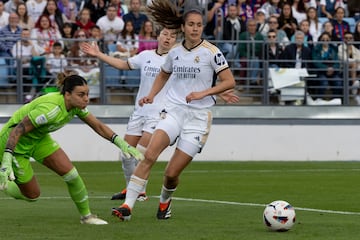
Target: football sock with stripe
x=78 y=191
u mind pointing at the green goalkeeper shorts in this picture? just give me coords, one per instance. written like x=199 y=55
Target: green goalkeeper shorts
x=26 y=149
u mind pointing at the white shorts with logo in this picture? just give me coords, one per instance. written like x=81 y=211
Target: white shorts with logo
x=138 y=124
x=191 y=126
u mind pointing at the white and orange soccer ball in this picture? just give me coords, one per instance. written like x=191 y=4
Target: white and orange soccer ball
x=279 y=216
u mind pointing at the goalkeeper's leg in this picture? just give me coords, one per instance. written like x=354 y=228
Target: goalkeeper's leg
x=26 y=186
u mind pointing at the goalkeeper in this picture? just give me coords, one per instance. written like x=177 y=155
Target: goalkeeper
x=27 y=134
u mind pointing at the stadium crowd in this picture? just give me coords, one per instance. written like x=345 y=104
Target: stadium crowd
x=40 y=38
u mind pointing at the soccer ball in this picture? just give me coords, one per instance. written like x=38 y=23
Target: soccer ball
x=279 y=216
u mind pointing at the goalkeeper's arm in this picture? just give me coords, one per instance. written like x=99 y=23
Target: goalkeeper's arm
x=127 y=150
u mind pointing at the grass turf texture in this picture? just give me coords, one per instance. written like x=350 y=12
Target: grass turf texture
x=215 y=200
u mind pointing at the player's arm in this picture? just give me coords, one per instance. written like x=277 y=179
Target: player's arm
x=158 y=84
x=93 y=50
x=98 y=126
x=107 y=133
x=20 y=129
x=229 y=96
x=6 y=171
x=227 y=82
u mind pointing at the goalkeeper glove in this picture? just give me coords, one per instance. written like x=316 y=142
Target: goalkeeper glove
x=127 y=150
x=6 y=171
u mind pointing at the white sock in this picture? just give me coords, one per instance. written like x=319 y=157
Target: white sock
x=135 y=186
x=166 y=194
x=128 y=166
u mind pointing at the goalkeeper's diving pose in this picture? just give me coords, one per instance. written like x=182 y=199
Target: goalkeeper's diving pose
x=27 y=135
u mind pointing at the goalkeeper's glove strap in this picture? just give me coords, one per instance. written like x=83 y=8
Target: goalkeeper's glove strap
x=113 y=137
x=9 y=150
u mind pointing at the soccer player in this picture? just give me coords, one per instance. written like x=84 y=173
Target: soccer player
x=191 y=66
x=143 y=120
x=27 y=134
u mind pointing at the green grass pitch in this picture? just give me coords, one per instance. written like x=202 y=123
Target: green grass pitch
x=215 y=200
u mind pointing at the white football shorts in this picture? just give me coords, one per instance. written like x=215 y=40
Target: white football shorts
x=191 y=126
x=137 y=124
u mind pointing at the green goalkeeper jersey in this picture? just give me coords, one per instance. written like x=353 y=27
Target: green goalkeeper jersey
x=47 y=113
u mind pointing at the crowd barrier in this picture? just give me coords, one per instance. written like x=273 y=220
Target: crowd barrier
x=120 y=87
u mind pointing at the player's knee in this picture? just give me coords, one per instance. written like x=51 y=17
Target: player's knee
x=150 y=157
x=32 y=196
x=171 y=181
x=141 y=148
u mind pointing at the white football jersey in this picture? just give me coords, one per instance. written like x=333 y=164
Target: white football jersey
x=149 y=62
x=193 y=70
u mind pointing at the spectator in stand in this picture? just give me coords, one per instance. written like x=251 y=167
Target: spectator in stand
x=216 y=9
x=45 y=34
x=111 y=25
x=56 y=61
x=128 y=40
x=286 y=20
x=281 y=36
x=24 y=50
x=10 y=5
x=121 y=6
x=147 y=37
x=4 y=16
x=84 y=20
x=353 y=8
x=96 y=35
x=56 y=17
x=311 y=3
x=25 y=21
x=273 y=50
x=297 y=55
x=85 y=66
x=135 y=15
x=349 y=54
x=357 y=35
x=326 y=63
x=316 y=26
x=340 y=25
x=329 y=28
x=253 y=6
x=97 y=9
x=271 y=8
x=246 y=10
x=298 y=10
x=262 y=25
x=10 y=34
x=67 y=34
x=233 y=26
x=35 y=8
x=308 y=39
x=328 y=7
x=69 y=9
x=250 y=51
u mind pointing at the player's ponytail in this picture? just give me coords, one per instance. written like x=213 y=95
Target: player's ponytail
x=165 y=13
x=169 y=15
x=67 y=83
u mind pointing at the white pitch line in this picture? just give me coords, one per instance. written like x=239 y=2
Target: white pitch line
x=214 y=201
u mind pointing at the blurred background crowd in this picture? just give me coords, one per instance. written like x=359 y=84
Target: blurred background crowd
x=40 y=38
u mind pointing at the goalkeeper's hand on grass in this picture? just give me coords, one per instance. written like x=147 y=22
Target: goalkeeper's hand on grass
x=6 y=171
x=126 y=149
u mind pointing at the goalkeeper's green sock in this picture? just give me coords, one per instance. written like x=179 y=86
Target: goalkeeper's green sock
x=77 y=191
x=14 y=191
